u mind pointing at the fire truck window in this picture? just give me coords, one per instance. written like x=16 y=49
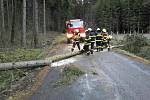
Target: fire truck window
x=70 y=25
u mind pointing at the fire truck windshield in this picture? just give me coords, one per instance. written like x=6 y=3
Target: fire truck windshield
x=76 y=24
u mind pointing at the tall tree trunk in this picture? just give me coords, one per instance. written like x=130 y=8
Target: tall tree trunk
x=44 y=25
x=139 y=21
x=128 y=17
x=23 y=40
x=3 y=20
x=8 y=21
x=12 y=37
x=35 y=18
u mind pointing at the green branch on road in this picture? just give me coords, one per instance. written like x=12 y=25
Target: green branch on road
x=69 y=74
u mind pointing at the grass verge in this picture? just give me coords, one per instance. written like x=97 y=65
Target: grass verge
x=21 y=79
x=131 y=55
x=11 y=80
x=137 y=44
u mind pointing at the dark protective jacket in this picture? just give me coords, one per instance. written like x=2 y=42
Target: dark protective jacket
x=99 y=37
x=93 y=36
x=87 y=41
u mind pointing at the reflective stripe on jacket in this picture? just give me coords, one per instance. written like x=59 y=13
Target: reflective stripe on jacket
x=87 y=41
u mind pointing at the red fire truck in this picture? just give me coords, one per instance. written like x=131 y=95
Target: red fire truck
x=73 y=25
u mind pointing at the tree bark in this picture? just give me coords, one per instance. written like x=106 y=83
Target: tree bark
x=12 y=38
x=3 y=19
x=8 y=21
x=35 y=18
x=44 y=10
x=23 y=40
x=36 y=63
x=27 y=64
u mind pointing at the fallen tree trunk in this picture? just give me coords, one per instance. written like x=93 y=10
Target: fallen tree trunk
x=64 y=56
x=117 y=46
x=36 y=63
x=24 y=64
x=40 y=63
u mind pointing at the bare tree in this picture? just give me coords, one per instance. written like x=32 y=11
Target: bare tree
x=44 y=25
x=3 y=20
x=35 y=18
x=12 y=37
x=23 y=40
x=8 y=16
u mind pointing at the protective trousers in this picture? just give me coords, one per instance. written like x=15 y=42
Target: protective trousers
x=76 y=43
x=99 y=45
x=86 y=47
x=93 y=37
x=92 y=45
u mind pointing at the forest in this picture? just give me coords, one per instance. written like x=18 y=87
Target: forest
x=32 y=39
x=25 y=23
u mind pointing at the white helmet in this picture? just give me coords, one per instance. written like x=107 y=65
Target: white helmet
x=89 y=29
x=104 y=30
x=98 y=29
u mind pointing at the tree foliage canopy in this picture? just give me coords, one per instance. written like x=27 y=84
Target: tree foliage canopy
x=123 y=15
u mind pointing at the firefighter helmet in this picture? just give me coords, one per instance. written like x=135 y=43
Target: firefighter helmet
x=98 y=29
x=104 y=30
x=89 y=29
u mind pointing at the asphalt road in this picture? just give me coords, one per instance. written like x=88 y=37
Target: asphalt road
x=118 y=78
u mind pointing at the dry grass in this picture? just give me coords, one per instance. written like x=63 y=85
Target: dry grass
x=6 y=77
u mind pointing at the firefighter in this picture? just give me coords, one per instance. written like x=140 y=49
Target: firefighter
x=104 y=34
x=93 y=37
x=76 y=40
x=98 y=30
x=88 y=31
x=99 y=42
x=86 y=47
x=107 y=39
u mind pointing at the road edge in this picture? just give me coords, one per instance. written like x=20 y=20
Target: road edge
x=131 y=56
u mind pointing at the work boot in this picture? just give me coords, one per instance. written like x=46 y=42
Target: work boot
x=72 y=49
x=91 y=51
x=97 y=50
x=88 y=53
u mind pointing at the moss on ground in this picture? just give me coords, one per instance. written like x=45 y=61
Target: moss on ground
x=70 y=74
x=22 y=77
x=19 y=55
x=9 y=78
